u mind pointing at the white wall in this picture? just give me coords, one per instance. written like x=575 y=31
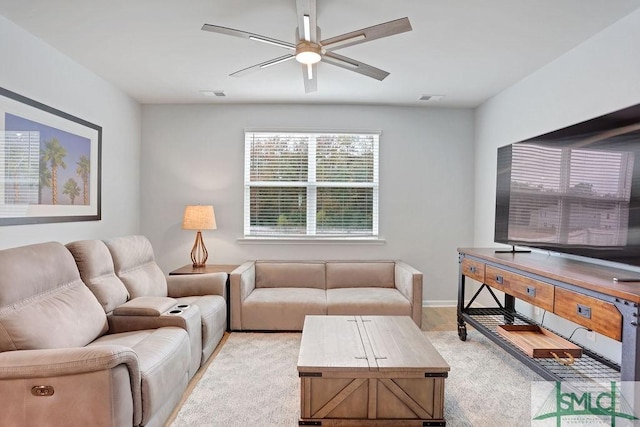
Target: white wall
x=194 y=154
x=36 y=70
x=599 y=76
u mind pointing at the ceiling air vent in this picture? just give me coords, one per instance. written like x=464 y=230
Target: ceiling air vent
x=213 y=93
x=432 y=98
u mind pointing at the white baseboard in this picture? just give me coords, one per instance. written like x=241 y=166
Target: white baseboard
x=441 y=303
x=448 y=303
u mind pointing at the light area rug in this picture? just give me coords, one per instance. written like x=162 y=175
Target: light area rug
x=253 y=381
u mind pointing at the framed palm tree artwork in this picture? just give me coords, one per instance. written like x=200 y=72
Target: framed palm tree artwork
x=50 y=164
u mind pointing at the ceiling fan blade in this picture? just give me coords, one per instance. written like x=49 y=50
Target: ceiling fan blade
x=310 y=77
x=367 y=34
x=247 y=35
x=261 y=65
x=307 y=24
x=353 y=65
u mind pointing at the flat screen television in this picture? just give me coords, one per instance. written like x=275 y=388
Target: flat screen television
x=575 y=190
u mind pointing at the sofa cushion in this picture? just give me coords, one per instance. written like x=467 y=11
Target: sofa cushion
x=367 y=301
x=163 y=356
x=274 y=274
x=43 y=302
x=135 y=265
x=97 y=272
x=370 y=274
x=281 y=309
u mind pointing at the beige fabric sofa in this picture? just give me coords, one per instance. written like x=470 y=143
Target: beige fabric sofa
x=59 y=363
x=277 y=295
x=135 y=293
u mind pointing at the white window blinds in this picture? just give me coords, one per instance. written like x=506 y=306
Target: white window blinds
x=311 y=184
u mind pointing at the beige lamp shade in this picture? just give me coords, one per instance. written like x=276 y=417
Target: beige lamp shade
x=199 y=217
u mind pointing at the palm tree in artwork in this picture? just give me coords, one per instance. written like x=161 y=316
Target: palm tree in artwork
x=54 y=153
x=71 y=189
x=44 y=176
x=84 y=167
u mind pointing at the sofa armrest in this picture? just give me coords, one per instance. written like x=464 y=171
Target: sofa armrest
x=408 y=281
x=65 y=371
x=187 y=318
x=67 y=361
x=145 y=306
x=189 y=285
x=154 y=313
x=243 y=282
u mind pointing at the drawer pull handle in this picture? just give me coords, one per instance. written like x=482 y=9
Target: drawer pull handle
x=531 y=291
x=499 y=279
x=472 y=269
x=583 y=311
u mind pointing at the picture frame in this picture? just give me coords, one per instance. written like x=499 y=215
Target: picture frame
x=50 y=164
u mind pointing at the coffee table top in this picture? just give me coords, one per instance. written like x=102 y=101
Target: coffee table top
x=366 y=343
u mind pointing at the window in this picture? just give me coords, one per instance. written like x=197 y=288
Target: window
x=311 y=184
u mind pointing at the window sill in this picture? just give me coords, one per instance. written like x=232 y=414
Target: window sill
x=312 y=240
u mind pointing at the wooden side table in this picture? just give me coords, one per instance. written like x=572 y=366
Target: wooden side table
x=211 y=268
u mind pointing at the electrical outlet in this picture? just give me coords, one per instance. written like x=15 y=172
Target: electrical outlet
x=591 y=336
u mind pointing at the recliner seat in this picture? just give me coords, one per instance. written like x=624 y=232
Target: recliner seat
x=135 y=266
x=58 y=364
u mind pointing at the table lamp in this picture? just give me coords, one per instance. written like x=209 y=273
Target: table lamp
x=199 y=217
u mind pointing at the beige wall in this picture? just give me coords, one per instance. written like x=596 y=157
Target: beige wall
x=36 y=70
x=597 y=77
x=194 y=154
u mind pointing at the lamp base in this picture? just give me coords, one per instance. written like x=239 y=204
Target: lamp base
x=199 y=252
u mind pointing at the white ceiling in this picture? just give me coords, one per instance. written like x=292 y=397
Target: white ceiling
x=467 y=50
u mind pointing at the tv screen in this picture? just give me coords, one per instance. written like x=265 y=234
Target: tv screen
x=575 y=190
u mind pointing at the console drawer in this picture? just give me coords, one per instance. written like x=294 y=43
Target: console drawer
x=495 y=278
x=524 y=288
x=473 y=269
x=597 y=315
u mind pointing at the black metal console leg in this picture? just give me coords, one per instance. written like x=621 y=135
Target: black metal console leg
x=630 y=366
x=510 y=307
x=462 y=328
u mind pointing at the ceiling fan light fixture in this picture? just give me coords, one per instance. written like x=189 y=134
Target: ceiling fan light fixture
x=308 y=53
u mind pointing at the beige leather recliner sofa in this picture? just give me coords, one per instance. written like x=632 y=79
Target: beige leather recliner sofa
x=135 y=293
x=59 y=363
x=276 y=295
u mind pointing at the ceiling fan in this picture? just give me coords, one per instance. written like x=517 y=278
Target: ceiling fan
x=308 y=50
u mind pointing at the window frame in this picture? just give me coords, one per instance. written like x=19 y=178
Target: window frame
x=312 y=185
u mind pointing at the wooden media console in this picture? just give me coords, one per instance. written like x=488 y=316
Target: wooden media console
x=582 y=292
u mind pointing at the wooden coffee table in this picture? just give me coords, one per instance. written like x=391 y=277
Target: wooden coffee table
x=369 y=371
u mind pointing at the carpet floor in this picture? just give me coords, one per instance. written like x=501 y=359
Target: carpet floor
x=253 y=381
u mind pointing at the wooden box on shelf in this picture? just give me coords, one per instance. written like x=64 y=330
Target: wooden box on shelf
x=539 y=342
